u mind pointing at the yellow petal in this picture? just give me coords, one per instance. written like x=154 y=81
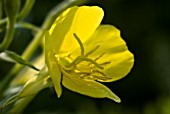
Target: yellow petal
x=55 y=36
x=55 y=72
x=80 y=20
x=89 y=88
x=56 y=78
x=114 y=50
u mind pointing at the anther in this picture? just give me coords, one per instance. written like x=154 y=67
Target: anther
x=105 y=63
x=97 y=58
x=99 y=72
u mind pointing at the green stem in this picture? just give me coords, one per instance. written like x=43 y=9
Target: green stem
x=1 y=9
x=8 y=35
x=36 y=41
x=27 y=26
x=26 y=9
x=11 y=8
x=3 y=23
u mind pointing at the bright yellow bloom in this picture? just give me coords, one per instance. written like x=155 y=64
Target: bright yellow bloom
x=80 y=53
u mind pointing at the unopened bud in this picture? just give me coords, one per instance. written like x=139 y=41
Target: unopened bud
x=11 y=7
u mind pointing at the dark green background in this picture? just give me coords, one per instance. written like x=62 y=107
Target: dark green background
x=144 y=25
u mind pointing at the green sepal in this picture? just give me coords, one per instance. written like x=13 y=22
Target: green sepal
x=34 y=85
x=11 y=7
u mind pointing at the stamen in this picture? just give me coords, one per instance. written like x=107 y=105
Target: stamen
x=99 y=72
x=105 y=63
x=69 y=66
x=102 y=78
x=90 y=52
x=83 y=74
x=80 y=43
x=82 y=58
x=99 y=56
x=94 y=76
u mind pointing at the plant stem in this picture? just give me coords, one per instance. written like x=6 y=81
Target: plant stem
x=1 y=9
x=11 y=8
x=8 y=35
x=26 y=9
x=26 y=25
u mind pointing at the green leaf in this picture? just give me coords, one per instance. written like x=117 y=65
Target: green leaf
x=15 y=58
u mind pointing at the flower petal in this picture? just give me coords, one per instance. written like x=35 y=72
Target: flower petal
x=55 y=72
x=56 y=78
x=114 y=50
x=55 y=36
x=89 y=88
x=80 y=20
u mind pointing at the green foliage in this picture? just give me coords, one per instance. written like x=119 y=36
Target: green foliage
x=11 y=56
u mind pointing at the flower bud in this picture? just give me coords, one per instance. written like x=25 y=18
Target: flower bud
x=11 y=7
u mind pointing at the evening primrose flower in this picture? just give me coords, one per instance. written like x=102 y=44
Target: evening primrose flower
x=80 y=53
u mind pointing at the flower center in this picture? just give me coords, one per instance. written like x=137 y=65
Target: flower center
x=83 y=66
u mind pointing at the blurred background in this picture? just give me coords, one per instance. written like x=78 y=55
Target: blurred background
x=144 y=25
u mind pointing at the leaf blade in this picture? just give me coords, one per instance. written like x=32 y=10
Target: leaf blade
x=11 y=56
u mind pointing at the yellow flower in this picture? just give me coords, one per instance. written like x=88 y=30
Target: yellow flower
x=79 y=53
